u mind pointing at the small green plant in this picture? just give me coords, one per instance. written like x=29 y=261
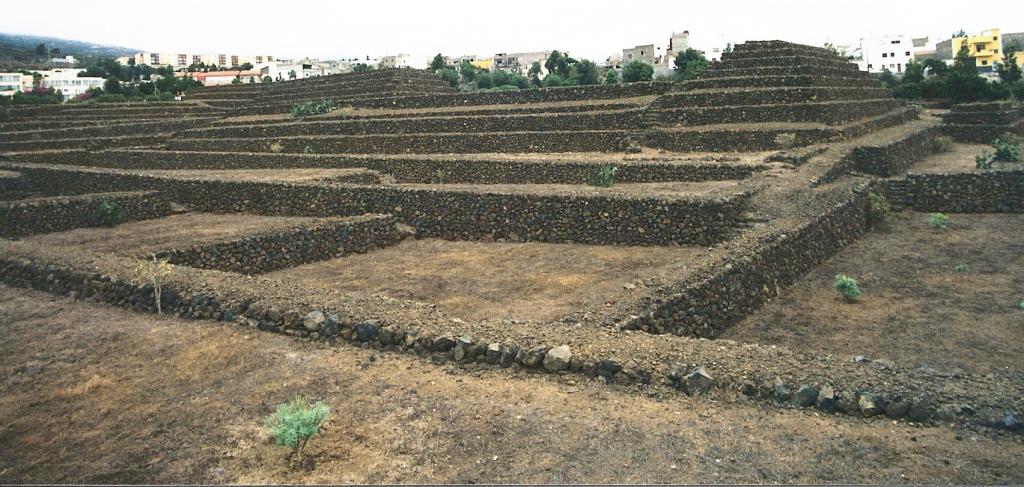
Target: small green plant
x=961 y=268
x=276 y=148
x=1021 y=306
x=786 y=140
x=440 y=176
x=309 y=150
x=847 y=287
x=1007 y=149
x=603 y=177
x=938 y=220
x=943 y=144
x=313 y=108
x=983 y=160
x=294 y=423
x=109 y=213
x=878 y=208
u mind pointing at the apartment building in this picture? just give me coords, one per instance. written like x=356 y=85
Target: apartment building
x=11 y=83
x=889 y=52
x=65 y=80
x=184 y=60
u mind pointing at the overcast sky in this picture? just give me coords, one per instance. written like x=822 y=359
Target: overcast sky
x=592 y=29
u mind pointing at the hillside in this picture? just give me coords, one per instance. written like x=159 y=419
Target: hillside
x=19 y=50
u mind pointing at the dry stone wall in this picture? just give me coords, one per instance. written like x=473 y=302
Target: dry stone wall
x=271 y=251
x=453 y=215
x=45 y=215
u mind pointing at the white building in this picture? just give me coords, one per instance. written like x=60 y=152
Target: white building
x=11 y=83
x=184 y=60
x=396 y=61
x=69 y=59
x=65 y=80
x=891 y=52
x=283 y=70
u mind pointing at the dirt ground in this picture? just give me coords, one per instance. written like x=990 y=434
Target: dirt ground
x=494 y=281
x=280 y=175
x=960 y=159
x=916 y=307
x=95 y=394
x=669 y=191
x=175 y=231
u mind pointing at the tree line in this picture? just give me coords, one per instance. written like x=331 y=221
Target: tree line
x=562 y=70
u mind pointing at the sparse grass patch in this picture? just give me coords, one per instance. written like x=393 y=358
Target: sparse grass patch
x=276 y=148
x=603 y=177
x=961 y=268
x=938 y=220
x=942 y=144
x=313 y=108
x=847 y=287
x=786 y=140
x=109 y=213
x=294 y=423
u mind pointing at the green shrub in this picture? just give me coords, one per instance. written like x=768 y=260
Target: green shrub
x=109 y=213
x=878 y=208
x=295 y=422
x=309 y=150
x=1007 y=149
x=313 y=108
x=943 y=144
x=637 y=70
x=961 y=268
x=847 y=287
x=603 y=177
x=938 y=220
x=983 y=160
x=1021 y=306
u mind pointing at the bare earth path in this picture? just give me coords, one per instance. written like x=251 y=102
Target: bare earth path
x=95 y=394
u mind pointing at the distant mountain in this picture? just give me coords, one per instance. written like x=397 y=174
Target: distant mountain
x=19 y=50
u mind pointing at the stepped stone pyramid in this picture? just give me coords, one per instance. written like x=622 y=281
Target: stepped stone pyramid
x=769 y=95
x=983 y=122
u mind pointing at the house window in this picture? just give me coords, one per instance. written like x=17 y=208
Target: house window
x=984 y=63
x=908 y=53
x=885 y=55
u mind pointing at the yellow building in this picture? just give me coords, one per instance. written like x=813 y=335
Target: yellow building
x=986 y=48
x=485 y=64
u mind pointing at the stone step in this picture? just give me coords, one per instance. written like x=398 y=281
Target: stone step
x=834 y=62
x=776 y=81
x=787 y=70
x=766 y=136
x=427 y=143
x=603 y=120
x=829 y=113
x=738 y=97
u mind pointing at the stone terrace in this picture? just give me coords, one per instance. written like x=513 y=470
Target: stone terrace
x=729 y=188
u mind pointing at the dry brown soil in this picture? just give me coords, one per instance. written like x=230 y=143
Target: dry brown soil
x=916 y=308
x=172 y=232
x=95 y=394
x=960 y=159
x=495 y=281
x=277 y=175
